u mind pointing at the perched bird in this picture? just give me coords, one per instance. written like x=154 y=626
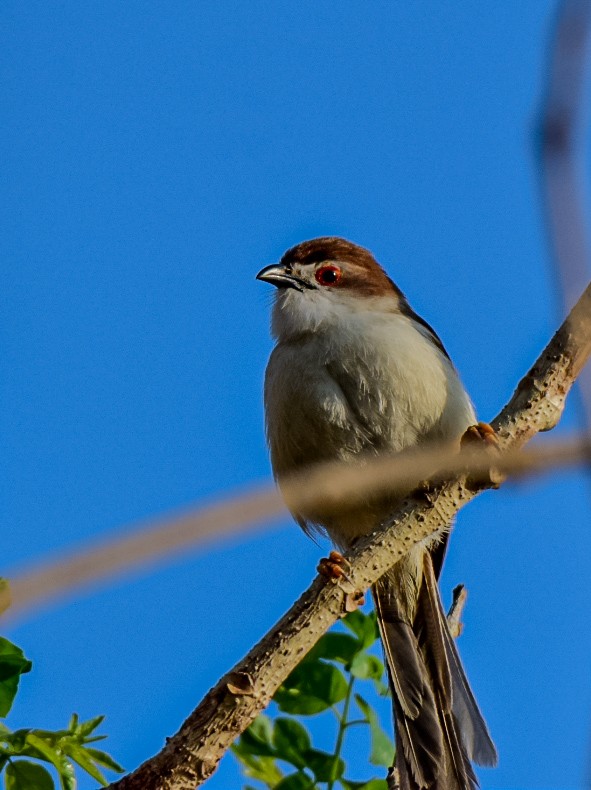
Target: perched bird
x=355 y=371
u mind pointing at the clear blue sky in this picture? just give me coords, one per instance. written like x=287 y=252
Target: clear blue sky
x=154 y=157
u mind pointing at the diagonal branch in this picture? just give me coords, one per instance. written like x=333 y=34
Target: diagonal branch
x=192 y=755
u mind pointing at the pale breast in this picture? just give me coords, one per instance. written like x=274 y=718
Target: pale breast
x=308 y=417
x=378 y=386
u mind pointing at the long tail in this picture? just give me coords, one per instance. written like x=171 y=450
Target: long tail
x=439 y=728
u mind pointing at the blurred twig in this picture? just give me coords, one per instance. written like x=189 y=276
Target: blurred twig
x=331 y=485
x=143 y=545
x=192 y=755
x=562 y=138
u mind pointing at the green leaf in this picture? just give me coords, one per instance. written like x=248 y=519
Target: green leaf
x=299 y=781
x=49 y=735
x=367 y=667
x=80 y=756
x=311 y=688
x=18 y=740
x=43 y=750
x=45 y=746
x=363 y=625
x=67 y=775
x=86 y=727
x=258 y=738
x=335 y=647
x=264 y=769
x=104 y=759
x=23 y=775
x=373 y=784
x=325 y=767
x=382 y=748
x=13 y=664
x=382 y=688
x=291 y=741
x=95 y=738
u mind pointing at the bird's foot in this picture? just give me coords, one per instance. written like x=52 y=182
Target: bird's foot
x=482 y=434
x=334 y=567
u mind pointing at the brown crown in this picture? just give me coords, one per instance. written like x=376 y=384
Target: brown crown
x=364 y=274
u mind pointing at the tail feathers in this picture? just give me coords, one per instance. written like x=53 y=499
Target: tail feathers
x=431 y=631
x=439 y=728
x=419 y=735
x=406 y=668
x=460 y=767
x=420 y=741
x=474 y=733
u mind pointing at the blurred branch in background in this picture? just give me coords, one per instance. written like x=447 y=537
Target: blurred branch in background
x=140 y=546
x=332 y=485
x=563 y=144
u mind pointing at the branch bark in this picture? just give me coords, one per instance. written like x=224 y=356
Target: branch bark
x=192 y=755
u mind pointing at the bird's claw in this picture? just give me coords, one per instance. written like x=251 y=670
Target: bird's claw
x=334 y=567
x=484 y=434
x=481 y=432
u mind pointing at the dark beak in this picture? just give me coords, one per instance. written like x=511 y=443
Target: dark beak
x=278 y=275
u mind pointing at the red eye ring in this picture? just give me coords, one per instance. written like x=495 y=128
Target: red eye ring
x=328 y=275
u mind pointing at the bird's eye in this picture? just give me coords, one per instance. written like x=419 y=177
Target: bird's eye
x=328 y=275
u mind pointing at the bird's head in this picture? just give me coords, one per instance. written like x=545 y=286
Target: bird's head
x=324 y=280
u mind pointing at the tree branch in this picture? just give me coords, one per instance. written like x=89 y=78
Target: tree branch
x=192 y=755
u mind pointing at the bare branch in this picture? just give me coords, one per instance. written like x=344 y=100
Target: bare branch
x=192 y=755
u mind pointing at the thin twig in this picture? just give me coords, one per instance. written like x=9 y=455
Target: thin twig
x=454 y=616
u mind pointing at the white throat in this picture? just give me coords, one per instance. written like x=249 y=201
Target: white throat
x=295 y=314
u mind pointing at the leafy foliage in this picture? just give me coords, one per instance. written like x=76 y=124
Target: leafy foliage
x=24 y=752
x=13 y=664
x=278 y=753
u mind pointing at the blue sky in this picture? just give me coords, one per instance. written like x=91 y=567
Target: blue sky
x=155 y=157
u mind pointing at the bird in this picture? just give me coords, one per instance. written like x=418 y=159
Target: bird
x=356 y=372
